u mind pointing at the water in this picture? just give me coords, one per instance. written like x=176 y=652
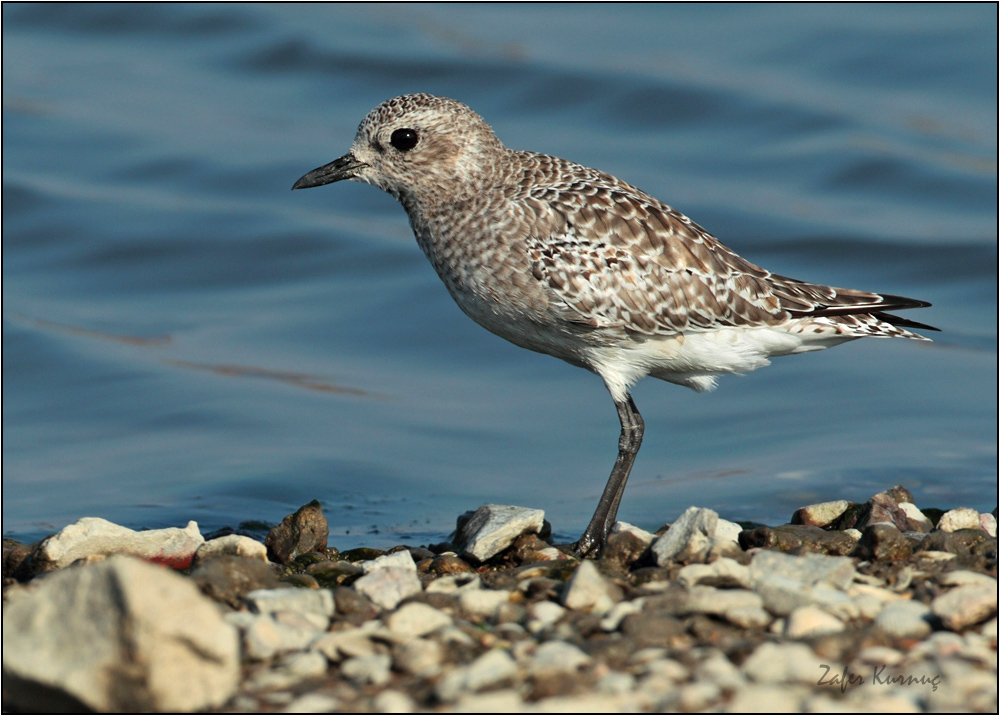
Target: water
x=185 y=338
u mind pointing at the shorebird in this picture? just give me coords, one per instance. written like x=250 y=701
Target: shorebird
x=573 y=262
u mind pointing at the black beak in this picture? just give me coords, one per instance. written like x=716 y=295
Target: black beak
x=344 y=168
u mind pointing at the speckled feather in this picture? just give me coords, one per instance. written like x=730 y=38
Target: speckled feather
x=570 y=261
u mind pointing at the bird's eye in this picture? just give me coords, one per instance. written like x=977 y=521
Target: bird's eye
x=404 y=139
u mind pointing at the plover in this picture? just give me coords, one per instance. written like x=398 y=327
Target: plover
x=570 y=261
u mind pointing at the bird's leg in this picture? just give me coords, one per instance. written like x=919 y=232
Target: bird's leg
x=596 y=534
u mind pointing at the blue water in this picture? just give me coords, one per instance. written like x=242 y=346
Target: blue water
x=185 y=338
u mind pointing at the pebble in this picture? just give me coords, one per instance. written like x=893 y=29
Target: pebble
x=689 y=539
x=301 y=532
x=391 y=701
x=416 y=619
x=644 y=536
x=493 y=528
x=904 y=619
x=268 y=601
x=821 y=514
x=588 y=591
x=722 y=572
x=490 y=669
x=556 y=657
x=967 y=605
x=372 y=669
x=235 y=545
x=388 y=586
x=811 y=621
x=961 y=518
x=482 y=604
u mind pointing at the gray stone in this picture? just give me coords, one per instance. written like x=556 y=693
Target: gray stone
x=587 y=590
x=416 y=619
x=419 y=657
x=807 y=569
x=301 y=532
x=723 y=570
x=291 y=670
x=811 y=621
x=367 y=669
x=689 y=539
x=557 y=657
x=388 y=586
x=89 y=536
x=234 y=545
x=344 y=644
x=121 y=635
x=493 y=528
x=268 y=601
x=967 y=605
x=490 y=669
x=709 y=600
x=482 y=603
x=264 y=637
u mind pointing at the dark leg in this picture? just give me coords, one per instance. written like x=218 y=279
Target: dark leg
x=596 y=534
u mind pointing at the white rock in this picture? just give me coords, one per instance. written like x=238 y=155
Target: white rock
x=587 y=590
x=964 y=606
x=961 y=518
x=402 y=559
x=367 y=669
x=723 y=568
x=717 y=669
x=557 y=657
x=268 y=601
x=482 y=603
x=312 y=703
x=767 y=699
x=338 y=645
x=784 y=663
x=493 y=528
x=236 y=545
x=709 y=600
x=689 y=539
x=613 y=619
x=88 y=536
x=120 y=635
x=453 y=583
x=811 y=621
x=749 y=617
x=807 y=569
x=698 y=696
x=726 y=531
x=542 y=615
x=419 y=657
x=264 y=637
x=391 y=701
x=291 y=670
x=416 y=619
x=961 y=577
x=646 y=537
x=490 y=669
x=502 y=701
x=388 y=586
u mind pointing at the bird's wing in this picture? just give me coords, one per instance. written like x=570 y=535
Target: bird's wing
x=616 y=257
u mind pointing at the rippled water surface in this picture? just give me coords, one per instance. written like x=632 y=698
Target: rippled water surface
x=185 y=338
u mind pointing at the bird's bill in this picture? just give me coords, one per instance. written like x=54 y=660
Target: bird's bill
x=346 y=167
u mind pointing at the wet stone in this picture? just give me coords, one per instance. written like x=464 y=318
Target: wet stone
x=305 y=530
x=883 y=542
x=801 y=538
x=362 y=554
x=331 y=574
x=449 y=564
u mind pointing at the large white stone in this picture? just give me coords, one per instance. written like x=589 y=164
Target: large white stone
x=493 y=528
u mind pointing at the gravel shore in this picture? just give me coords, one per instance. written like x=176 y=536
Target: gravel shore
x=877 y=606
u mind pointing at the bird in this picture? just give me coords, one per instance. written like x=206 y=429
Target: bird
x=573 y=262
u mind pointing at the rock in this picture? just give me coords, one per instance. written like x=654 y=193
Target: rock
x=962 y=518
x=719 y=602
x=726 y=531
x=916 y=519
x=493 y=528
x=482 y=604
x=303 y=531
x=89 y=536
x=967 y=605
x=491 y=669
x=345 y=644
x=883 y=542
x=767 y=699
x=556 y=657
x=623 y=549
x=418 y=657
x=121 y=635
x=401 y=559
x=807 y=569
x=352 y=606
x=988 y=523
x=811 y=621
x=264 y=637
x=821 y=514
x=228 y=579
x=391 y=701
x=313 y=703
x=904 y=619
x=233 y=545
x=388 y=586
x=652 y=628
x=455 y=583
x=588 y=591
x=367 y=669
x=268 y=601
x=502 y=701
x=449 y=564
x=689 y=539
x=14 y=555
x=625 y=528
x=801 y=538
x=961 y=577
x=783 y=663
x=331 y=574
x=723 y=572
x=542 y=615
x=290 y=670
x=415 y=619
